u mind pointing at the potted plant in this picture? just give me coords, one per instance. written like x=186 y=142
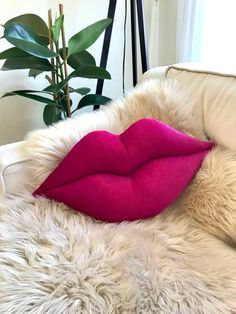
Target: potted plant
x=42 y=48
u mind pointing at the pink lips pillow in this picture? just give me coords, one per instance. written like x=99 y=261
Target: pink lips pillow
x=130 y=176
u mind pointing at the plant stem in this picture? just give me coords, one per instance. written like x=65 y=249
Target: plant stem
x=59 y=65
x=68 y=111
x=51 y=47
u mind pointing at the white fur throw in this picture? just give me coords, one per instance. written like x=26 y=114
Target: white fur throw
x=56 y=260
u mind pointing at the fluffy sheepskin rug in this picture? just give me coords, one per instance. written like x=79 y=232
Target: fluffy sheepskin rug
x=56 y=260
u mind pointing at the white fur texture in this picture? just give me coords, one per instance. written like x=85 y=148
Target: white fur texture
x=55 y=260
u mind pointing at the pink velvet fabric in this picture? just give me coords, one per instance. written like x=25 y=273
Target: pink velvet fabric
x=134 y=175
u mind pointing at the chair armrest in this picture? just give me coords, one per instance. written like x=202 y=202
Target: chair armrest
x=12 y=163
x=155 y=73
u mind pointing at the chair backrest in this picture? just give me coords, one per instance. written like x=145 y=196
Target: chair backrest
x=215 y=94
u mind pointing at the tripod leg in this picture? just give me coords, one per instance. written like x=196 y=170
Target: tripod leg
x=106 y=46
x=133 y=38
x=142 y=35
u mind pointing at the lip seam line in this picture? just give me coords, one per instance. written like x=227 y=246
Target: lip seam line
x=139 y=166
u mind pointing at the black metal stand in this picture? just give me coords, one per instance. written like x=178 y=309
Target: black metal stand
x=106 y=46
x=135 y=6
x=142 y=37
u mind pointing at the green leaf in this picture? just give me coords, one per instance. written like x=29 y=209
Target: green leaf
x=57 y=27
x=81 y=59
x=51 y=114
x=34 y=73
x=50 y=88
x=55 y=88
x=29 y=62
x=81 y=90
x=61 y=52
x=61 y=85
x=93 y=99
x=23 y=37
x=36 y=23
x=27 y=91
x=48 y=78
x=78 y=59
x=27 y=94
x=13 y=53
x=86 y=37
x=92 y=72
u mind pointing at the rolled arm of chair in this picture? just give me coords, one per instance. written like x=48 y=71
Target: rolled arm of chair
x=12 y=163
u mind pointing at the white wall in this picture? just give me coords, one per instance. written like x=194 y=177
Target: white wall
x=161 y=21
x=167 y=32
x=19 y=115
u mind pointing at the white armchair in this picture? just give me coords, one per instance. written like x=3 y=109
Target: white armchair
x=215 y=110
x=55 y=260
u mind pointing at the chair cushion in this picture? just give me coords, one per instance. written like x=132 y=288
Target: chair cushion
x=130 y=176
